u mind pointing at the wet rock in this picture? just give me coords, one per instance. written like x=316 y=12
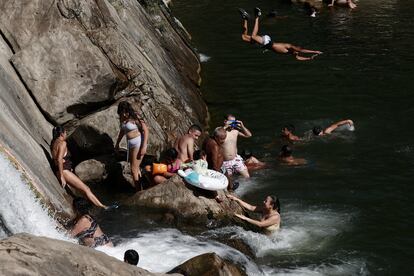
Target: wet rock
x=187 y=203
x=24 y=254
x=207 y=264
x=91 y=171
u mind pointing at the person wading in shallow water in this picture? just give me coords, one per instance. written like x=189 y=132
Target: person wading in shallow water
x=270 y=210
x=267 y=42
x=63 y=166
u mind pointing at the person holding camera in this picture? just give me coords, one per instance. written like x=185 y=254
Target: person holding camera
x=233 y=163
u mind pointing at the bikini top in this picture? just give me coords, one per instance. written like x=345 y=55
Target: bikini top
x=129 y=126
x=88 y=233
x=175 y=166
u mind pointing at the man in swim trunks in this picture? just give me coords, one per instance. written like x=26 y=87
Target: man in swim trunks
x=185 y=144
x=233 y=163
x=267 y=42
x=319 y=131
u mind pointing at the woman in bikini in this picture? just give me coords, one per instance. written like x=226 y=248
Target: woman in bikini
x=63 y=166
x=136 y=132
x=86 y=229
x=270 y=210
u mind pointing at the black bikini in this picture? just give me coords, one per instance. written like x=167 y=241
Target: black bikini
x=88 y=234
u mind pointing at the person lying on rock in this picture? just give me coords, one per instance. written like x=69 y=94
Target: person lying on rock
x=286 y=157
x=86 y=229
x=270 y=211
x=268 y=44
x=136 y=132
x=63 y=166
x=186 y=143
x=172 y=166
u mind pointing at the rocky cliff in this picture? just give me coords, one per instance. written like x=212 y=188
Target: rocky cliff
x=71 y=61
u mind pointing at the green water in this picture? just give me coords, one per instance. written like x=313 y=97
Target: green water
x=353 y=203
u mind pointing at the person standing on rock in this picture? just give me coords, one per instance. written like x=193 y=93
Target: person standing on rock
x=267 y=42
x=233 y=163
x=63 y=164
x=270 y=210
x=185 y=144
x=136 y=132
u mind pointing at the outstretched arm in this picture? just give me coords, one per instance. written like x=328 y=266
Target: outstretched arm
x=145 y=133
x=331 y=128
x=118 y=140
x=243 y=203
x=244 y=132
x=264 y=223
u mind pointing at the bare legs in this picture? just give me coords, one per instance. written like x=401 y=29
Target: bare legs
x=76 y=183
x=245 y=36
x=256 y=37
x=135 y=162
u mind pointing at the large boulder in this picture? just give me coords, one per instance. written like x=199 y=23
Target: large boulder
x=187 y=203
x=24 y=254
x=207 y=264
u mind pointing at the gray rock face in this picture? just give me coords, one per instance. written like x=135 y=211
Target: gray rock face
x=24 y=254
x=185 y=202
x=208 y=264
x=91 y=171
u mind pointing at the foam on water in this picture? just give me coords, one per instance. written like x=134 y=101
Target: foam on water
x=203 y=57
x=162 y=250
x=19 y=209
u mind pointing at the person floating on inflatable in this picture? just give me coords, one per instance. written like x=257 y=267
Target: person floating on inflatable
x=267 y=42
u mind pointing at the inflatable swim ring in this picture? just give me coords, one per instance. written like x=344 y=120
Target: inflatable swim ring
x=213 y=181
x=159 y=168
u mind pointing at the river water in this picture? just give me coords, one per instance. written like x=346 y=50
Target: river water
x=349 y=211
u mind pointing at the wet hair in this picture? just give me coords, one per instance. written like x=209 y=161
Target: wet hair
x=245 y=154
x=56 y=132
x=317 y=130
x=195 y=128
x=171 y=154
x=81 y=205
x=148 y=160
x=276 y=203
x=131 y=257
x=126 y=107
x=286 y=151
x=289 y=127
x=219 y=132
x=198 y=154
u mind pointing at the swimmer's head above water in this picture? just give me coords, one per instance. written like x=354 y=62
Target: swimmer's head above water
x=272 y=203
x=317 y=130
x=287 y=129
x=285 y=151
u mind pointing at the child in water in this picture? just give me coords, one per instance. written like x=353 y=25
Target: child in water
x=199 y=163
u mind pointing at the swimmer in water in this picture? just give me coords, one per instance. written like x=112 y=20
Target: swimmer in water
x=285 y=156
x=350 y=3
x=267 y=42
x=319 y=131
x=287 y=133
x=270 y=210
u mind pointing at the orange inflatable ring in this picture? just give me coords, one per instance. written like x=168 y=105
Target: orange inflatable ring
x=159 y=168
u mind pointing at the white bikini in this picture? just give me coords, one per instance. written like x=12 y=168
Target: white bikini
x=134 y=142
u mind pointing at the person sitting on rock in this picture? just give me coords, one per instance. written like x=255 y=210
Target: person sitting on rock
x=267 y=42
x=137 y=133
x=286 y=157
x=186 y=143
x=319 y=131
x=131 y=257
x=350 y=3
x=199 y=163
x=270 y=210
x=63 y=165
x=86 y=229
x=173 y=165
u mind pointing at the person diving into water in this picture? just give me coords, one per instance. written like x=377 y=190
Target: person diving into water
x=267 y=42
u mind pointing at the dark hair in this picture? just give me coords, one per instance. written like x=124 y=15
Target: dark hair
x=289 y=127
x=126 y=107
x=81 y=205
x=195 y=128
x=317 y=130
x=285 y=151
x=56 y=132
x=131 y=257
x=229 y=115
x=276 y=203
x=198 y=154
x=245 y=154
x=171 y=154
x=148 y=160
